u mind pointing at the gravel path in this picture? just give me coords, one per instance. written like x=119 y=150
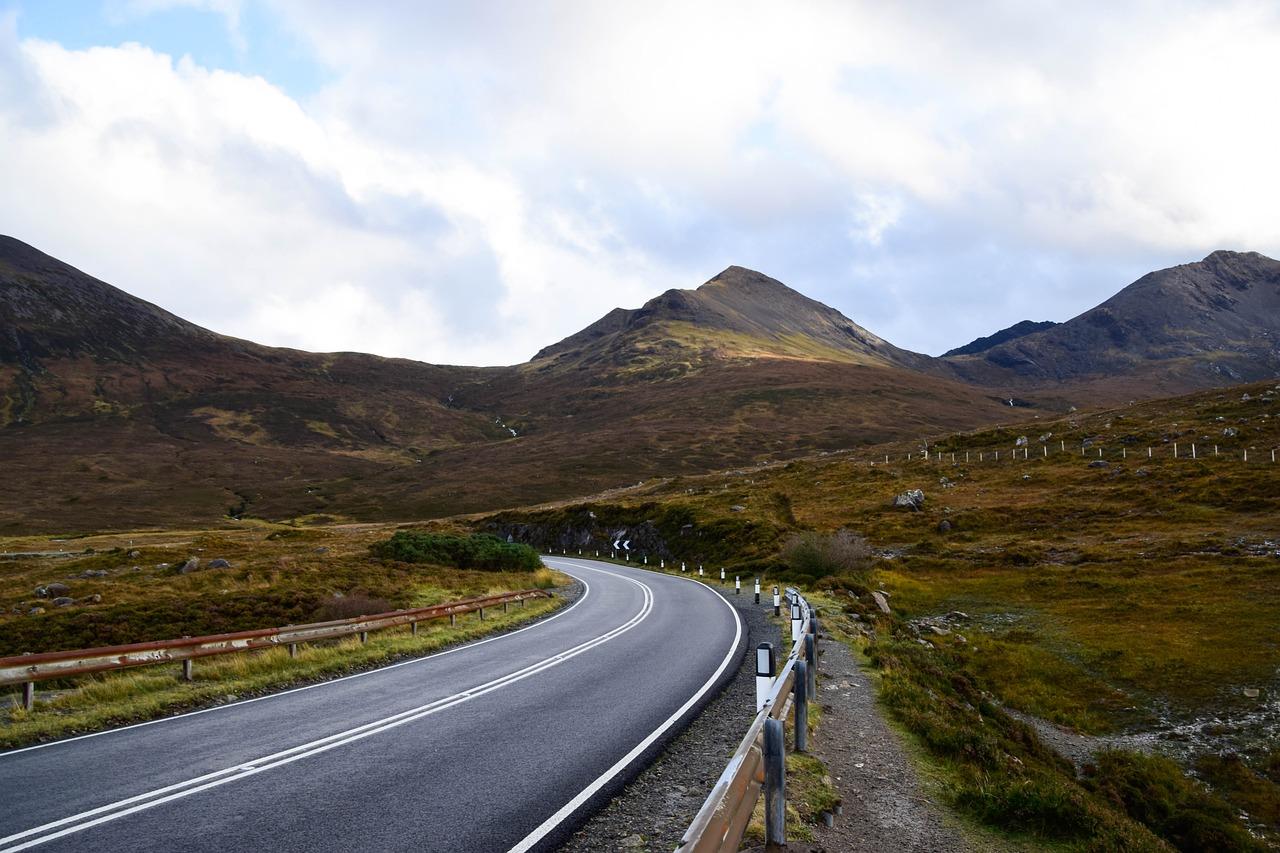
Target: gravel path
x=885 y=808
x=654 y=810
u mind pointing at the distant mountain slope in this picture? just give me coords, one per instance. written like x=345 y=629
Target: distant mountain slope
x=115 y=413
x=738 y=313
x=1017 y=330
x=1196 y=325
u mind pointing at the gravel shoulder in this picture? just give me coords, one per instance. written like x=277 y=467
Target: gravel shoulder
x=654 y=810
x=885 y=806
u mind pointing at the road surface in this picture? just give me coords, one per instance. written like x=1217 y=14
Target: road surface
x=503 y=744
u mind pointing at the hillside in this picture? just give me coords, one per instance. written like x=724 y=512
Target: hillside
x=1086 y=597
x=1198 y=325
x=115 y=413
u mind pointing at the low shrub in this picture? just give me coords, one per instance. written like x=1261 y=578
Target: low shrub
x=1153 y=790
x=818 y=555
x=479 y=551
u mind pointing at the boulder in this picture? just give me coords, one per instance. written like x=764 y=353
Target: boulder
x=322 y=550
x=94 y=573
x=881 y=602
x=939 y=630
x=191 y=565
x=219 y=563
x=35 y=611
x=912 y=500
x=1231 y=432
x=944 y=526
x=52 y=590
x=1046 y=437
x=133 y=555
x=1099 y=463
x=1021 y=442
x=63 y=601
x=737 y=508
x=96 y=598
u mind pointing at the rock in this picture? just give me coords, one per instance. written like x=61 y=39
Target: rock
x=322 y=550
x=913 y=500
x=162 y=565
x=219 y=563
x=957 y=616
x=1142 y=472
x=55 y=590
x=631 y=842
x=1252 y=693
x=1099 y=463
x=881 y=602
x=96 y=598
x=937 y=629
x=1021 y=442
x=93 y=573
x=1245 y=398
x=734 y=508
x=35 y=611
x=1046 y=437
x=42 y=592
x=1026 y=476
x=944 y=526
x=63 y=601
x=1073 y=409
x=133 y=555
x=1231 y=432
x=191 y=565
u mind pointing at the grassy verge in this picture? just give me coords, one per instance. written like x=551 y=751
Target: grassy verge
x=995 y=770
x=94 y=703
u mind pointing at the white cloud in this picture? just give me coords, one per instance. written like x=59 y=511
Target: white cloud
x=935 y=171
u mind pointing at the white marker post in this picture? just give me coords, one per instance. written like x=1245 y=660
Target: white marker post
x=722 y=573
x=777 y=602
x=1193 y=451
x=737 y=585
x=757 y=590
x=764 y=674
x=682 y=566
x=699 y=571
x=795 y=622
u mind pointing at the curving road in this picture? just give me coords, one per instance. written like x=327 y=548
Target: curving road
x=503 y=744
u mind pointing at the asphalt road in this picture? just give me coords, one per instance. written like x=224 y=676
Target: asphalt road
x=503 y=744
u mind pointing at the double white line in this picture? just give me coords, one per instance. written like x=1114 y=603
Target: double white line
x=114 y=811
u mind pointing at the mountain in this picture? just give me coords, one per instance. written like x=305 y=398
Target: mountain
x=1198 y=325
x=1017 y=330
x=117 y=414
x=738 y=313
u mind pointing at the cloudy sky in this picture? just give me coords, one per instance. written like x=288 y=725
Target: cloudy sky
x=467 y=182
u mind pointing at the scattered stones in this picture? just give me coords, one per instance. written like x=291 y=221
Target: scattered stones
x=63 y=601
x=881 y=601
x=219 y=563
x=944 y=526
x=912 y=500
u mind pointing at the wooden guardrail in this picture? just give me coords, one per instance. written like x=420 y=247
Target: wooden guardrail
x=758 y=764
x=28 y=669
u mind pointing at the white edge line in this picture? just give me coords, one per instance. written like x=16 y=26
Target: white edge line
x=585 y=592
x=548 y=825
x=148 y=800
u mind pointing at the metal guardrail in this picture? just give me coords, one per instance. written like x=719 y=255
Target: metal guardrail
x=30 y=668
x=758 y=763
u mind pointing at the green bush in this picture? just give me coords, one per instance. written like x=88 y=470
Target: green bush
x=818 y=555
x=480 y=551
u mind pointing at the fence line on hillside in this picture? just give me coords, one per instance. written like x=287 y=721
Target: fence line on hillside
x=1188 y=451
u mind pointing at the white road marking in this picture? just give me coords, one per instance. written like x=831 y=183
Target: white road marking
x=549 y=825
x=114 y=811
x=585 y=592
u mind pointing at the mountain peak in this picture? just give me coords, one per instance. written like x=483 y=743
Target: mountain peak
x=739 y=313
